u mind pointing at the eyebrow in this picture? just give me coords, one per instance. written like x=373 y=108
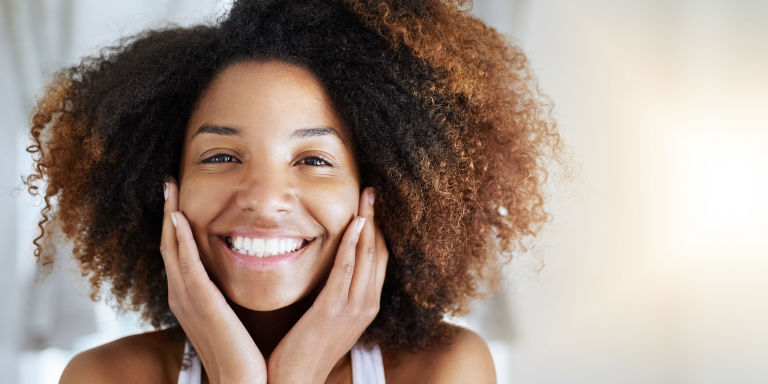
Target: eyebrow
x=218 y=130
x=313 y=132
x=300 y=133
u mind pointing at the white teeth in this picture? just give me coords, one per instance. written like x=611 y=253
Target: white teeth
x=247 y=246
x=257 y=248
x=263 y=247
x=271 y=247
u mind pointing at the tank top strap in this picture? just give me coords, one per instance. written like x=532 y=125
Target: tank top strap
x=367 y=365
x=193 y=374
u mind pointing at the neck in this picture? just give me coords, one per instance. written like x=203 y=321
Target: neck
x=267 y=328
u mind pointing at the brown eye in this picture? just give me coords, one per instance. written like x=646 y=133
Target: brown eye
x=221 y=158
x=316 y=161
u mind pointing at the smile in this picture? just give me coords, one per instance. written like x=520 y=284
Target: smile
x=259 y=247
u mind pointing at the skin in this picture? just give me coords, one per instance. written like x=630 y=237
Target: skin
x=265 y=151
x=275 y=177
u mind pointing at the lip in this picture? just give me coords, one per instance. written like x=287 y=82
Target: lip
x=265 y=233
x=263 y=263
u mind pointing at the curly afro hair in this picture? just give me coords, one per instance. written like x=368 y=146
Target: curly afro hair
x=448 y=123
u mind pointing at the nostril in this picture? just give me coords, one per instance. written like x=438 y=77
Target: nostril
x=268 y=194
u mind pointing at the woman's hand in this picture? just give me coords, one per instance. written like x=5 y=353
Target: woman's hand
x=224 y=346
x=342 y=311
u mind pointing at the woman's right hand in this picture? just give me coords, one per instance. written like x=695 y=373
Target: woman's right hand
x=220 y=339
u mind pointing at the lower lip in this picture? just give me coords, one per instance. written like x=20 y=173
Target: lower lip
x=263 y=263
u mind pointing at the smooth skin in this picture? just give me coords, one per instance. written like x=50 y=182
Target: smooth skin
x=266 y=151
x=339 y=315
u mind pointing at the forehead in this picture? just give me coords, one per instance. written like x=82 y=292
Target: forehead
x=265 y=97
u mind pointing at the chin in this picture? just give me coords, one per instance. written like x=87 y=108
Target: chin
x=267 y=297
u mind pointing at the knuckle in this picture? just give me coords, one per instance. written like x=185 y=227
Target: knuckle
x=335 y=311
x=354 y=311
x=183 y=267
x=348 y=269
x=372 y=311
x=195 y=285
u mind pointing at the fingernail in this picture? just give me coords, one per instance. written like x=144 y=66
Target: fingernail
x=371 y=197
x=359 y=226
x=165 y=190
x=173 y=219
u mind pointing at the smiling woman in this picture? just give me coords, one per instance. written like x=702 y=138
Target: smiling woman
x=332 y=177
x=265 y=178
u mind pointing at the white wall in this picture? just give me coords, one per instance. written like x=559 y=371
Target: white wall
x=657 y=256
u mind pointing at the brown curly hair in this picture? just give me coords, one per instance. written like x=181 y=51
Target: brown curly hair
x=448 y=122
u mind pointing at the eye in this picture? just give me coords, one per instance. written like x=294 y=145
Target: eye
x=315 y=161
x=220 y=158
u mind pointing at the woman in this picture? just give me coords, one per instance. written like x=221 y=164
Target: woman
x=337 y=176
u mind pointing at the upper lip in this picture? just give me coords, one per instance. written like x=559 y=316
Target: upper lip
x=262 y=233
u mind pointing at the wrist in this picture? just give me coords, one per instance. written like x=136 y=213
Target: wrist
x=239 y=375
x=238 y=379
x=295 y=371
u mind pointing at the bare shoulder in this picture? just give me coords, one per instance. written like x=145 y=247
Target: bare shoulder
x=153 y=357
x=466 y=359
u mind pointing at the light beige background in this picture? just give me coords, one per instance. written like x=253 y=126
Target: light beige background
x=655 y=263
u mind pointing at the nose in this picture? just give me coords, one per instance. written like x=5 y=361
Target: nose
x=267 y=193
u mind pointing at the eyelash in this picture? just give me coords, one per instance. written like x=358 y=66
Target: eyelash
x=217 y=158
x=325 y=162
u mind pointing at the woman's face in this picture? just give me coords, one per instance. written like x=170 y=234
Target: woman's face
x=267 y=167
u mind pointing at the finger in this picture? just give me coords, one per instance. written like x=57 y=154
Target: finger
x=365 y=251
x=168 y=241
x=190 y=267
x=343 y=268
x=382 y=257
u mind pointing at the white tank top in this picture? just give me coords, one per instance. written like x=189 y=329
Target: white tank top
x=367 y=366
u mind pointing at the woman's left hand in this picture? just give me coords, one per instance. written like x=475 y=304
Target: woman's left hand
x=342 y=311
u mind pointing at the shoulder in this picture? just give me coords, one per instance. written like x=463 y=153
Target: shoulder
x=153 y=357
x=466 y=359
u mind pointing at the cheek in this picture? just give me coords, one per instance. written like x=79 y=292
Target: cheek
x=334 y=208
x=197 y=203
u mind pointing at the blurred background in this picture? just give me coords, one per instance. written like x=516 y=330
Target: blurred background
x=655 y=264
